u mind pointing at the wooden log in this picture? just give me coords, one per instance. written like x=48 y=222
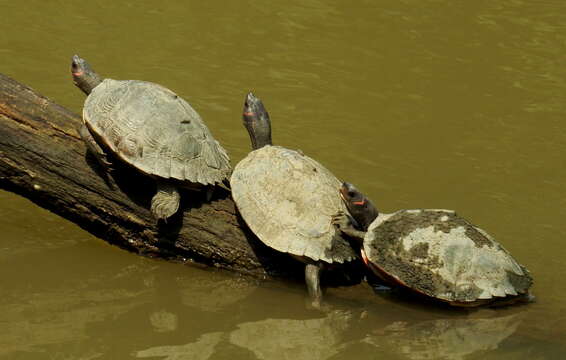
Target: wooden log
x=43 y=158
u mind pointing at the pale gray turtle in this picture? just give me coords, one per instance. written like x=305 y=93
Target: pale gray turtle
x=287 y=199
x=433 y=252
x=152 y=129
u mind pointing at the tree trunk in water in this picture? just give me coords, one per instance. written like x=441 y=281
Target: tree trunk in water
x=43 y=158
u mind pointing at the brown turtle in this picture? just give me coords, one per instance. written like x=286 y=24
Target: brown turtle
x=288 y=199
x=433 y=252
x=152 y=129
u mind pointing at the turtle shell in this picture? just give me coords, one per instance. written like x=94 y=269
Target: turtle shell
x=153 y=129
x=287 y=199
x=441 y=255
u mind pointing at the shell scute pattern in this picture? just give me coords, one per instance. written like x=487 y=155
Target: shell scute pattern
x=150 y=127
x=440 y=254
x=287 y=199
x=130 y=146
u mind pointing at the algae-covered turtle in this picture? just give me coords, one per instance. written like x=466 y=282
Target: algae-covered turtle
x=288 y=199
x=433 y=252
x=152 y=129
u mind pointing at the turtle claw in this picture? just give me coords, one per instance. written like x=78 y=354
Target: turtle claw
x=340 y=220
x=106 y=165
x=346 y=225
x=95 y=149
x=339 y=213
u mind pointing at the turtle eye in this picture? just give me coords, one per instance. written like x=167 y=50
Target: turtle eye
x=351 y=194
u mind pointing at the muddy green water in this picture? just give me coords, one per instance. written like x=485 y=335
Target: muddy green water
x=421 y=103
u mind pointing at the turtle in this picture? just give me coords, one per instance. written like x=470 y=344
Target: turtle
x=152 y=129
x=287 y=199
x=433 y=252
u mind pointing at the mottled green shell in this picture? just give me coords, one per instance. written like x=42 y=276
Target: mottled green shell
x=151 y=128
x=287 y=199
x=439 y=254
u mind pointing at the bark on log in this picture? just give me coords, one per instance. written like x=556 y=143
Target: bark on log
x=43 y=158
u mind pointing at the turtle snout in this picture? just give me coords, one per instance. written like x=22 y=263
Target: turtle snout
x=76 y=61
x=349 y=192
x=347 y=187
x=253 y=102
x=250 y=98
x=77 y=65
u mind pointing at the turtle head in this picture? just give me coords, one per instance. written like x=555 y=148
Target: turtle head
x=83 y=76
x=257 y=122
x=360 y=207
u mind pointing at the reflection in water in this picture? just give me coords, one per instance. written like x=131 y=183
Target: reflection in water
x=293 y=339
x=213 y=292
x=202 y=349
x=336 y=333
x=164 y=321
x=452 y=339
x=61 y=308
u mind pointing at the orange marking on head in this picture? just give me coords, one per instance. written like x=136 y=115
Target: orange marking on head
x=359 y=202
x=78 y=73
x=249 y=113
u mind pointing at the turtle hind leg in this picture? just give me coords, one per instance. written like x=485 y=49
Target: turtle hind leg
x=312 y=278
x=166 y=201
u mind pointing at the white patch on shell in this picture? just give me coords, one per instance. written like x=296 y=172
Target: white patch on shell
x=413 y=211
x=441 y=210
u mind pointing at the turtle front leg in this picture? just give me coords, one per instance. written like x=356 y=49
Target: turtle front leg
x=343 y=222
x=312 y=278
x=94 y=148
x=166 y=200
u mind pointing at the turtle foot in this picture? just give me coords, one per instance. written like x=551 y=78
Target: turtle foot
x=95 y=149
x=341 y=220
x=345 y=224
x=166 y=201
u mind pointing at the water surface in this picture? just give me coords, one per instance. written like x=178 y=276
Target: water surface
x=421 y=103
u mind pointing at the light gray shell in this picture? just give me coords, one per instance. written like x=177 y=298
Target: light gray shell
x=151 y=128
x=440 y=254
x=287 y=199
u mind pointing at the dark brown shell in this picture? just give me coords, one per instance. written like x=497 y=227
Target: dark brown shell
x=441 y=255
x=151 y=128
